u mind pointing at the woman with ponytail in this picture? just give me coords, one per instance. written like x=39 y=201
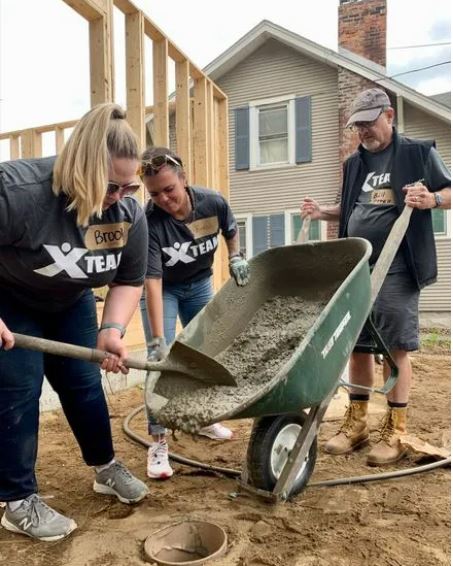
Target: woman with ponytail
x=67 y=225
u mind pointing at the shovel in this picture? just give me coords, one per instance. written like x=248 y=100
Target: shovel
x=181 y=359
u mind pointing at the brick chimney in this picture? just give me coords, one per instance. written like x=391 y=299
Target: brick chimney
x=362 y=28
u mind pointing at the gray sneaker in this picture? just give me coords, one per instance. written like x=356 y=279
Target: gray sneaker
x=37 y=520
x=117 y=480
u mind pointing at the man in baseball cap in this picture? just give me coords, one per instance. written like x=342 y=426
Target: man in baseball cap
x=387 y=172
x=368 y=106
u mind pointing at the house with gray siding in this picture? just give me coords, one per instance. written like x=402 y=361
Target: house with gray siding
x=288 y=104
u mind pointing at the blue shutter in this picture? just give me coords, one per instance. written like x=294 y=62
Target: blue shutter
x=242 y=138
x=259 y=226
x=303 y=129
x=277 y=230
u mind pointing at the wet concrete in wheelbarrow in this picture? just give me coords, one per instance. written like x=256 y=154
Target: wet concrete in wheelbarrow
x=254 y=357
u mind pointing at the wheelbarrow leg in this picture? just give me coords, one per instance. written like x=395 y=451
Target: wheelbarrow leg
x=380 y=347
x=299 y=453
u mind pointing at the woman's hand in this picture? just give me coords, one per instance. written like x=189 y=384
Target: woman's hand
x=157 y=349
x=239 y=270
x=6 y=337
x=109 y=340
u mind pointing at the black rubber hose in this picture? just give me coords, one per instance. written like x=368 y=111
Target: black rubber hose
x=383 y=475
x=231 y=472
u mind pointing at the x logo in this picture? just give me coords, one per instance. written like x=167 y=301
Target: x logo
x=178 y=253
x=64 y=262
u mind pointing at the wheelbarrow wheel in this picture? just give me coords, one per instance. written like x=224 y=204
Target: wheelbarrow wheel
x=271 y=442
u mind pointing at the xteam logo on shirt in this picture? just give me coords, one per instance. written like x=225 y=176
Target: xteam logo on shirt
x=66 y=259
x=179 y=251
x=374 y=181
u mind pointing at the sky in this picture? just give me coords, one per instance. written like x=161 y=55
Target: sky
x=44 y=57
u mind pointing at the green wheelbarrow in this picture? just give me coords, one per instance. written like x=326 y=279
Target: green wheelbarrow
x=288 y=406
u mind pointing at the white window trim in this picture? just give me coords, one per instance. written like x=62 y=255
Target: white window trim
x=273 y=100
x=447 y=234
x=288 y=227
x=287 y=223
x=254 y=105
x=248 y=232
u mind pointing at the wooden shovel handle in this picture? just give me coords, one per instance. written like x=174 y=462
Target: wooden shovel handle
x=389 y=250
x=72 y=351
x=304 y=232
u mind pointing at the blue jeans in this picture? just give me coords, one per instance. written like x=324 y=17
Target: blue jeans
x=180 y=299
x=77 y=382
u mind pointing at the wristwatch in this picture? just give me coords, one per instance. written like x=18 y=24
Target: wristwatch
x=439 y=200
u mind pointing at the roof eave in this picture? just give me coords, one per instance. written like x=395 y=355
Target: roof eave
x=266 y=30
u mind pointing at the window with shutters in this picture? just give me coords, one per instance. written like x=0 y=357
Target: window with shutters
x=258 y=233
x=272 y=133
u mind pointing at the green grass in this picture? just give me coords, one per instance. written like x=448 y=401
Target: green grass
x=436 y=339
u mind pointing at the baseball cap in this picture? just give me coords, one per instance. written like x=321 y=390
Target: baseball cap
x=367 y=105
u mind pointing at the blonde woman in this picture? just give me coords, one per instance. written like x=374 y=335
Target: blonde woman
x=67 y=225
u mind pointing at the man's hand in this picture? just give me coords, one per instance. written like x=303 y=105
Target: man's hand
x=418 y=196
x=157 y=349
x=240 y=270
x=310 y=207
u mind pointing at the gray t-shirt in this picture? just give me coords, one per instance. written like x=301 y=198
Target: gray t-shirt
x=375 y=210
x=183 y=251
x=46 y=259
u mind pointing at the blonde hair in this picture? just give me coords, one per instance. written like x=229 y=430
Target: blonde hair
x=81 y=169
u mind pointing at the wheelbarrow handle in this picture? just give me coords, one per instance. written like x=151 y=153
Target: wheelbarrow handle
x=72 y=351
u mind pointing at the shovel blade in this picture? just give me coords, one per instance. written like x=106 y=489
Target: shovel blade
x=185 y=359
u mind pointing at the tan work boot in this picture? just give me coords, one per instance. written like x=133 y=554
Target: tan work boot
x=353 y=432
x=389 y=448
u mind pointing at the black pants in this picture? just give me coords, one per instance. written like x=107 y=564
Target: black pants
x=78 y=384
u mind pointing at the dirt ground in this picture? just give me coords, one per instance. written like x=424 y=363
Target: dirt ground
x=395 y=523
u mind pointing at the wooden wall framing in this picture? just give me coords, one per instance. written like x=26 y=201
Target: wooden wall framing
x=201 y=122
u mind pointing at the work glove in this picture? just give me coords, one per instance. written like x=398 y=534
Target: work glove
x=157 y=349
x=240 y=270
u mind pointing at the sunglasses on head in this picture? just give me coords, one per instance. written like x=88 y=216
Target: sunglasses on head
x=154 y=165
x=125 y=190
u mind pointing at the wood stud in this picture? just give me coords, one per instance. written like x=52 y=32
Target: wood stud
x=201 y=122
x=183 y=112
x=200 y=132
x=160 y=89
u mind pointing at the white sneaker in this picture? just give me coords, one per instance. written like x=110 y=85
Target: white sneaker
x=216 y=432
x=158 y=467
